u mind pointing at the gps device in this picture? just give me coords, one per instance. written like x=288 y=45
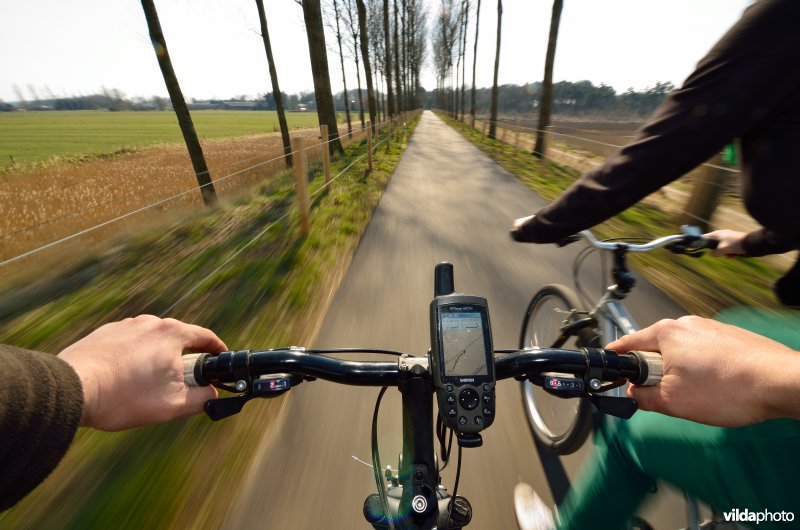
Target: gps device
x=462 y=359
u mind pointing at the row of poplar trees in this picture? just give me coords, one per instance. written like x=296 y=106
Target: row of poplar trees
x=387 y=43
x=449 y=58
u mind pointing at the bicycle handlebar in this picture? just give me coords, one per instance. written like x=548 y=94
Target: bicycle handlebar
x=679 y=243
x=245 y=365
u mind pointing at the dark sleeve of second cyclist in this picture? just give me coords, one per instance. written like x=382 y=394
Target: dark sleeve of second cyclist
x=742 y=82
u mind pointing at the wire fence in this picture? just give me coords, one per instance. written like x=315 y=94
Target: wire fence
x=678 y=200
x=389 y=128
x=149 y=206
x=583 y=162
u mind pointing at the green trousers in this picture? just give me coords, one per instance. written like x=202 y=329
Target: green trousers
x=755 y=467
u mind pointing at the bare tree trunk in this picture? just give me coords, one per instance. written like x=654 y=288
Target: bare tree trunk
x=362 y=25
x=493 y=115
x=388 y=50
x=312 y=13
x=376 y=86
x=360 y=96
x=404 y=49
x=354 y=32
x=464 y=56
x=474 y=63
x=276 y=89
x=344 y=77
x=459 y=55
x=398 y=81
x=179 y=104
x=546 y=101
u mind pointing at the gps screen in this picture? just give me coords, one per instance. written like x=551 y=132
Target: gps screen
x=464 y=347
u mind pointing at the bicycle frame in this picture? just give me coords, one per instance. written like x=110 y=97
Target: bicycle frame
x=614 y=321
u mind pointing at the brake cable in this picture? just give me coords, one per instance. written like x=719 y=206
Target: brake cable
x=376 y=461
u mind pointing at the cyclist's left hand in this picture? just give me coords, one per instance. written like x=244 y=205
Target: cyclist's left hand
x=132 y=374
x=517 y=228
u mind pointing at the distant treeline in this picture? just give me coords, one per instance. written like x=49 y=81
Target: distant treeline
x=569 y=97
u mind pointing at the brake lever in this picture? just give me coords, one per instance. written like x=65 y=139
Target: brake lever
x=621 y=407
x=694 y=244
x=221 y=408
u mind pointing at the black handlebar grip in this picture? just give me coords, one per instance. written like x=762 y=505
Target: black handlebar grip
x=651 y=368
x=569 y=240
x=708 y=242
x=193 y=369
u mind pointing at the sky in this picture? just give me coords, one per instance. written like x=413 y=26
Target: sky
x=80 y=46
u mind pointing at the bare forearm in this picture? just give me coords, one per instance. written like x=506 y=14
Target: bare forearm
x=781 y=392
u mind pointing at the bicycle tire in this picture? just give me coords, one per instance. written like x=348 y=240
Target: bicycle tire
x=559 y=425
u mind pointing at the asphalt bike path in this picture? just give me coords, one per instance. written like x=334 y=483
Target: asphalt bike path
x=447 y=201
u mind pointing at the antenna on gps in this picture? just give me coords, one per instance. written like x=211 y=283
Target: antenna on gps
x=443 y=282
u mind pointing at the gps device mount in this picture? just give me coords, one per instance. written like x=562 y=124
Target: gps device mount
x=462 y=359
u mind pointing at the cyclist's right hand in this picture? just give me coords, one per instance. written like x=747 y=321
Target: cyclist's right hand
x=716 y=373
x=731 y=242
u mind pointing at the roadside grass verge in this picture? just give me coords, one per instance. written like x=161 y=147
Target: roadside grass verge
x=702 y=286
x=185 y=474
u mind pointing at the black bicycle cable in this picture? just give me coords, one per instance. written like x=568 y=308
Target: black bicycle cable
x=455 y=490
x=441 y=434
x=577 y=263
x=331 y=351
x=376 y=461
x=576 y=267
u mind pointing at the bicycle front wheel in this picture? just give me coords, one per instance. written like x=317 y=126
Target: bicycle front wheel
x=560 y=425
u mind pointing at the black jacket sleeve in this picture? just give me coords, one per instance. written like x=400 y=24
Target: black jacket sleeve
x=743 y=82
x=41 y=402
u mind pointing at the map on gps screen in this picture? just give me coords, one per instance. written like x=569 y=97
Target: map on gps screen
x=464 y=349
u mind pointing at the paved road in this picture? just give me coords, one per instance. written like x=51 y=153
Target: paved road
x=446 y=201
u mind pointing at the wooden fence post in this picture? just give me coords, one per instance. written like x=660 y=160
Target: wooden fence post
x=709 y=183
x=326 y=152
x=388 y=134
x=369 y=146
x=299 y=146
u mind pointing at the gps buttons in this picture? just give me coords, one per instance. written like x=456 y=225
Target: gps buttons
x=469 y=399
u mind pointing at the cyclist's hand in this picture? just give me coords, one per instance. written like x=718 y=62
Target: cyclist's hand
x=132 y=374
x=517 y=228
x=715 y=373
x=730 y=242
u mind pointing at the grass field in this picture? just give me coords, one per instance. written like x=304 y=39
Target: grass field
x=32 y=137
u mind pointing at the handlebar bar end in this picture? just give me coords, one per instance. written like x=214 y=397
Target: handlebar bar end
x=651 y=368
x=193 y=369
